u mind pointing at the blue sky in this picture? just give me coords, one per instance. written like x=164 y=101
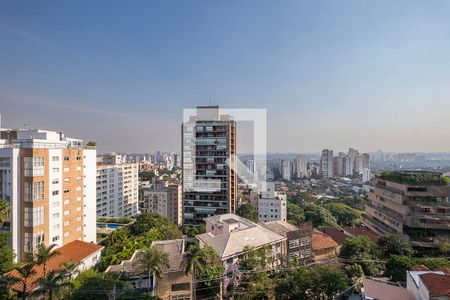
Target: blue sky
x=368 y=74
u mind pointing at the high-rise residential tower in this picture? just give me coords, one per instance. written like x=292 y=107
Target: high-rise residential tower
x=49 y=181
x=302 y=167
x=117 y=189
x=209 y=183
x=326 y=163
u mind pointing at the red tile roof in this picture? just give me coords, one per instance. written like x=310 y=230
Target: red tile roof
x=336 y=234
x=363 y=231
x=437 y=284
x=420 y=268
x=322 y=241
x=384 y=291
x=73 y=252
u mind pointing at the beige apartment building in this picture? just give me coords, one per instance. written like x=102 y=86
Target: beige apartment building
x=414 y=205
x=49 y=181
x=165 y=201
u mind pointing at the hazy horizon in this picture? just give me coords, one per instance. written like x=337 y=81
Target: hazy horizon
x=367 y=75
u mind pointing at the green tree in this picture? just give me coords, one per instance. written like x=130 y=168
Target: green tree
x=51 y=284
x=245 y=210
x=295 y=214
x=43 y=254
x=344 y=214
x=312 y=282
x=103 y=284
x=354 y=273
x=319 y=216
x=22 y=275
x=364 y=251
x=6 y=282
x=4 y=212
x=6 y=254
x=397 y=266
x=152 y=261
x=392 y=244
x=444 y=248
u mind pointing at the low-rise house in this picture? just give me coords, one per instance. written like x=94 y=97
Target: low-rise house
x=426 y=284
x=84 y=255
x=230 y=235
x=174 y=284
x=371 y=289
x=299 y=239
x=323 y=246
x=340 y=235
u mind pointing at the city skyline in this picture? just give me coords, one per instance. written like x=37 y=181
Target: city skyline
x=331 y=75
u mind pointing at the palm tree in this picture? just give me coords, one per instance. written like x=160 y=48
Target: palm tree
x=43 y=254
x=4 y=212
x=6 y=282
x=51 y=283
x=152 y=261
x=193 y=259
x=24 y=273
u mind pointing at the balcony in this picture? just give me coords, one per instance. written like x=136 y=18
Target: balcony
x=378 y=224
x=427 y=221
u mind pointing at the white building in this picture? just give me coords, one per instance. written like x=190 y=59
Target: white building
x=326 y=163
x=286 y=167
x=272 y=205
x=302 y=167
x=117 y=190
x=166 y=201
x=49 y=181
x=365 y=175
x=425 y=284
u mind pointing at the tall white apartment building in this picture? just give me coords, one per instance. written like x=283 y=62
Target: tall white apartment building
x=272 y=205
x=166 y=201
x=286 y=167
x=302 y=167
x=326 y=163
x=117 y=190
x=49 y=181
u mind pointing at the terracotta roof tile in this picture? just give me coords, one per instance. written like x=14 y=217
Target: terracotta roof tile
x=336 y=234
x=321 y=241
x=420 y=268
x=73 y=252
x=437 y=284
x=363 y=231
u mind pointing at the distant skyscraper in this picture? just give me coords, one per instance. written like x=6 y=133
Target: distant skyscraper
x=209 y=184
x=326 y=163
x=302 y=167
x=351 y=161
x=286 y=167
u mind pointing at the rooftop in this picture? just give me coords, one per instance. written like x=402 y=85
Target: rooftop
x=384 y=291
x=321 y=241
x=73 y=252
x=438 y=285
x=415 y=177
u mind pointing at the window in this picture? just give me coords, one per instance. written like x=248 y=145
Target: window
x=55 y=215
x=55 y=181
x=180 y=287
x=66 y=234
x=34 y=216
x=55 y=203
x=33 y=166
x=67 y=201
x=66 y=158
x=55 y=170
x=66 y=191
x=293 y=244
x=34 y=191
x=66 y=223
x=66 y=169
x=67 y=212
x=54 y=193
x=55 y=238
x=55 y=158
x=33 y=240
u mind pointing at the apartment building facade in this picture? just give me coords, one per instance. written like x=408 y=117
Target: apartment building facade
x=272 y=205
x=117 y=190
x=209 y=183
x=49 y=181
x=326 y=163
x=414 y=205
x=165 y=201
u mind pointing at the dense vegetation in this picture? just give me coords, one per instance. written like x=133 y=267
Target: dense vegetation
x=245 y=210
x=123 y=242
x=415 y=178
